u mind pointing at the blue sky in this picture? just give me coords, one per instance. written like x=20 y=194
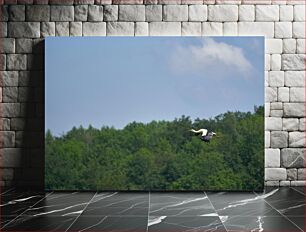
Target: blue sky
x=111 y=81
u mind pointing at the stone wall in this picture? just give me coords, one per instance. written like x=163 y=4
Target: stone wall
x=25 y=23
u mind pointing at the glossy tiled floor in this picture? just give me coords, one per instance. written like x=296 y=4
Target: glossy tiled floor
x=275 y=210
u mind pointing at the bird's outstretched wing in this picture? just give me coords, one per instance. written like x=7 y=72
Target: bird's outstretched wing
x=203 y=132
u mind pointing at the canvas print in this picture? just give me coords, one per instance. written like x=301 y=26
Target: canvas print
x=154 y=113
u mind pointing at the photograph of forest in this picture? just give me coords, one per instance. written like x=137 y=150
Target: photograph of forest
x=124 y=118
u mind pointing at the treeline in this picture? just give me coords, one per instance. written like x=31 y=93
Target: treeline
x=160 y=155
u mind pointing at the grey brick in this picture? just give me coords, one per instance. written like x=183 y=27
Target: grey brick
x=4 y=15
x=10 y=94
x=16 y=62
x=17 y=12
x=24 y=29
x=2 y=62
x=275 y=174
x=47 y=29
x=279 y=139
x=165 y=28
x=94 y=29
x=120 y=28
x=175 y=13
x=18 y=124
x=6 y=124
x=302 y=174
x=75 y=29
x=12 y=157
x=154 y=13
x=292 y=174
x=11 y=109
x=110 y=12
x=141 y=29
x=8 y=138
x=293 y=61
x=296 y=139
x=3 y=26
x=80 y=13
x=62 y=28
x=197 y=13
x=9 y=78
x=294 y=110
x=131 y=13
x=38 y=13
x=24 y=45
x=95 y=13
x=8 y=45
x=293 y=157
x=62 y=13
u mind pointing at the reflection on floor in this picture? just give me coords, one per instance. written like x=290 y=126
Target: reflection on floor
x=278 y=210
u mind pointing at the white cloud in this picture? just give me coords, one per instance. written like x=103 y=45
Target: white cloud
x=210 y=54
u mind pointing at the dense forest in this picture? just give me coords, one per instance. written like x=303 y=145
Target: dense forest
x=160 y=155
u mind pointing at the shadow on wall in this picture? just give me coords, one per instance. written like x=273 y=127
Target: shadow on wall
x=31 y=138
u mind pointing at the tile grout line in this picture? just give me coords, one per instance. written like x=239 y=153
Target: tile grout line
x=14 y=219
x=149 y=211
x=215 y=210
x=297 y=191
x=280 y=213
x=7 y=191
x=81 y=213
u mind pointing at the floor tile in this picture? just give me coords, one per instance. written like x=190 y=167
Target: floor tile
x=180 y=224
x=299 y=221
x=301 y=190
x=233 y=203
x=180 y=204
x=114 y=203
x=110 y=223
x=259 y=223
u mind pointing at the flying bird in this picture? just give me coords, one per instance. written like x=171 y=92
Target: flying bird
x=205 y=135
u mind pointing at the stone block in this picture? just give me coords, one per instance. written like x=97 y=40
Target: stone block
x=276 y=78
x=62 y=13
x=24 y=45
x=296 y=139
x=47 y=29
x=230 y=29
x=95 y=13
x=17 y=13
x=12 y=157
x=38 y=13
x=279 y=139
x=2 y=62
x=9 y=94
x=8 y=45
x=299 y=13
x=120 y=29
x=292 y=174
x=75 y=29
x=267 y=13
x=256 y=28
x=286 y=13
x=8 y=138
x=110 y=12
x=273 y=46
x=62 y=29
x=297 y=94
x=300 y=47
x=267 y=62
x=16 y=62
x=294 y=110
x=272 y=158
x=18 y=123
x=212 y=29
x=267 y=109
x=297 y=183
x=131 y=13
x=302 y=124
x=154 y=13
x=9 y=78
x=273 y=123
x=94 y=29
x=277 y=113
x=284 y=183
x=191 y=29
x=290 y=124
x=276 y=106
x=293 y=158
x=175 y=13
x=283 y=30
x=165 y=29
x=246 y=13
x=289 y=46
x=294 y=78
x=267 y=139
x=141 y=29
x=24 y=29
x=298 y=30
x=293 y=61
x=11 y=110
x=275 y=174
x=276 y=62
x=80 y=13
x=7 y=174
x=197 y=13
x=4 y=15
x=272 y=183
x=222 y=13
x=301 y=174
x=270 y=94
